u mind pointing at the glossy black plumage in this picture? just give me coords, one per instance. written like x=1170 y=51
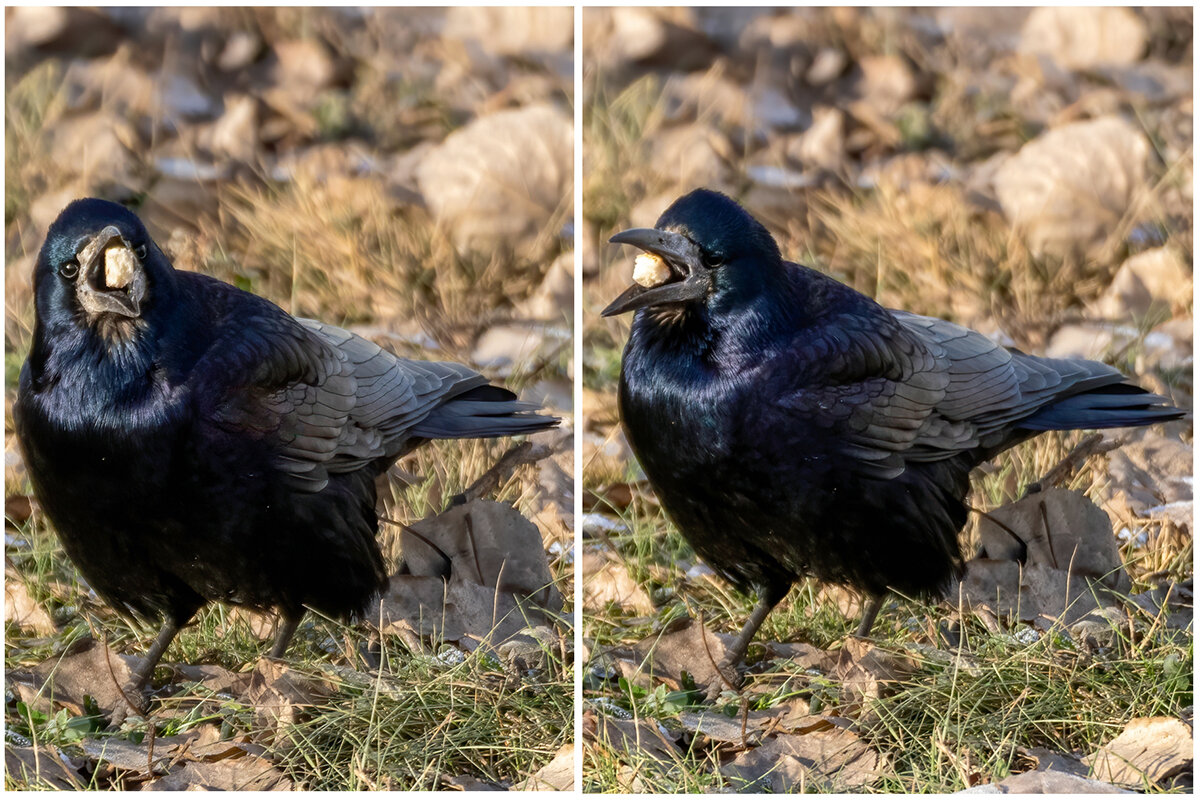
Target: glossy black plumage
x=190 y=441
x=792 y=426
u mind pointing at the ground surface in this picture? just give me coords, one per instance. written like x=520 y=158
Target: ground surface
x=1025 y=173
x=357 y=167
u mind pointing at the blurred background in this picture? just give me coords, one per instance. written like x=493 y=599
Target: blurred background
x=404 y=173
x=1025 y=172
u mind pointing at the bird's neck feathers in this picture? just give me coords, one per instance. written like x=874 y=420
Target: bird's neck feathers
x=744 y=317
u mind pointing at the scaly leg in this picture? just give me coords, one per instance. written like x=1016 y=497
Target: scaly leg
x=288 y=622
x=870 y=612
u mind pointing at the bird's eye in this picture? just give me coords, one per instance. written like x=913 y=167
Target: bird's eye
x=710 y=260
x=140 y=252
x=69 y=269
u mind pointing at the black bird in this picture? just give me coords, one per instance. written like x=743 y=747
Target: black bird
x=190 y=441
x=792 y=426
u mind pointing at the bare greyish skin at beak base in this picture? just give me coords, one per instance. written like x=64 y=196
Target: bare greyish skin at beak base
x=112 y=279
x=668 y=271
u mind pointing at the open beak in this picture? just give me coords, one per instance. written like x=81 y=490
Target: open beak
x=112 y=278
x=687 y=282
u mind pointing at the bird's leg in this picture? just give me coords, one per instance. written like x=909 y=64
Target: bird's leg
x=870 y=612
x=288 y=622
x=133 y=701
x=740 y=645
x=145 y=670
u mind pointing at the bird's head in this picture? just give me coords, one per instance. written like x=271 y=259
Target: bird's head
x=98 y=266
x=704 y=248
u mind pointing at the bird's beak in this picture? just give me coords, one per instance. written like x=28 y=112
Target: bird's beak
x=112 y=278
x=688 y=279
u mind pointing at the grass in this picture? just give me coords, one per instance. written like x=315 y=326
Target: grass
x=341 y=249
x=421 y=718
x=959 y=717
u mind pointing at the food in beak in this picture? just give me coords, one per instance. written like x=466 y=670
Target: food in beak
x=650 y=270
x=120 y=264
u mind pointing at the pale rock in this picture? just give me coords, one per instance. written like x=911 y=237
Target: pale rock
x=99 y=147
x=829 y=64
x=1152 y=282
x=553 y=299
x=235 y=134
x=500 y=180
x=1071 y=186
x=824 y=143
x=690 y=156
x=509 y=31
x=886 y=83
x=504 y=348
x=1082 y=38
x=240 y=51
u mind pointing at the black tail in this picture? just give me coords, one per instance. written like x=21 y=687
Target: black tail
x=1117 y=405
x=483 y=412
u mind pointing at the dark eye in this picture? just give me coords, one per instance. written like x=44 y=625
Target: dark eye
x=710 y=260
x=69 y=269
x=140 y=252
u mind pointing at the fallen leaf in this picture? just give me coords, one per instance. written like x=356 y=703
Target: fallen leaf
x=557 y=776
x=497 y=181
x=249 y=774
x=1152 y=283
x=606 y=580
x=684 y=647
x=280 y=695
x=86 y=669
x=1070 y=559
x=475 y=573
x=1150 y=753
x=1082 y=38
x=215 y=678
x=1052 y=781
x=636 y=741
x=36 y=767
x=834 y=760
x=867 y=671
x=21 y=610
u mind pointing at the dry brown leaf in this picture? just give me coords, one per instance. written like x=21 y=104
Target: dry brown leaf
x=868 y=672
x=475 y=573
x=742 y=730
x=86 y=669
x=1083 y=38
x=21 y=610
x=606 y=580
x=249 y=774
x=38 y=766
x=214 y=678
x=1147 y=474
x=557 y=776
x=684 y=646
x=1071 y=559
x=18 y=508
x=1150 y=753
x=1052 y=781
x=496 y=182
x=834 y=760
x=280 y=695
x=1152 y=283
x=636 y=740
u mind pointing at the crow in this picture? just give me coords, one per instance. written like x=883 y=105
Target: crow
x=193 y=442
x=792 y=426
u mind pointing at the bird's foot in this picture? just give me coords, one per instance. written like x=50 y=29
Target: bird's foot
x=132 y=703
x=727 y=679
